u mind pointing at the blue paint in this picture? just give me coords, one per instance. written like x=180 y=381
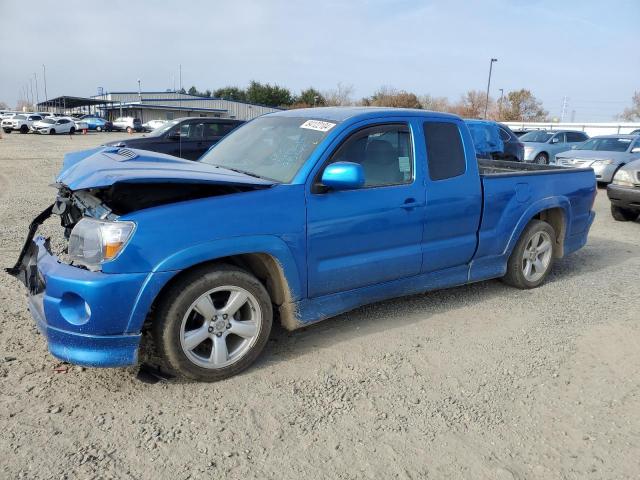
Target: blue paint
x=337 y=248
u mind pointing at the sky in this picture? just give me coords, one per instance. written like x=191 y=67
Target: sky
x=586 y=51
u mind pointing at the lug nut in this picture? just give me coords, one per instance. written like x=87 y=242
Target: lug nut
x=228 y=325
x=219 y=334
x=225 y=316
x=210 y=329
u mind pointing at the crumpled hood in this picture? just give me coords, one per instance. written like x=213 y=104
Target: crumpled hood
x=106 y=166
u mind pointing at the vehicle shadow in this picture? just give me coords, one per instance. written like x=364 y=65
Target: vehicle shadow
x=597 y=255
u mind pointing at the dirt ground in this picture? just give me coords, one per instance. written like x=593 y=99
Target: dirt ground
x=482 y=381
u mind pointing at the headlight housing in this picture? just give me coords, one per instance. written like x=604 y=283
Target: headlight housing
x=93 y=242
x=623 y=177
x=603 y=162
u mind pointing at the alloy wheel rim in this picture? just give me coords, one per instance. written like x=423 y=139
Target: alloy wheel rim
x=537 y=256
x=220 y=327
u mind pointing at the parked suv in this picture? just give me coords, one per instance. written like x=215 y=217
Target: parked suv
x=127 y=124
x=20 y=122
x=186 y=138
x=542 y=146
x=495 y=141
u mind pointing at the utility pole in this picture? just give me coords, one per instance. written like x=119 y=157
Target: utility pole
x=564 y=108
x=139 y=91
x=44 y=77
x=32 y=97
x=500 y=104
x=180 y=70
x=486 y=105
x=37 y=94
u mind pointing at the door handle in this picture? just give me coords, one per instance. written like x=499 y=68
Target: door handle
x=411 y=203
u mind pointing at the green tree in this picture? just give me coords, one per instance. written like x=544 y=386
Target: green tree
x=390 y=97
x=311 y=97
x=270 y=95
x=231 y=93
x=522 y=105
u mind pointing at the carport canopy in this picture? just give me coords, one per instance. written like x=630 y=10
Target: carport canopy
x=67 y=102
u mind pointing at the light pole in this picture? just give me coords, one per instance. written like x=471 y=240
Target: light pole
x=44 y=77
x=37 y=93
x=500 y=104
x=486 y=105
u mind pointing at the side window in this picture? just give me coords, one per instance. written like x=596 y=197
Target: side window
x=559 y=138
x=212 y=130
x=192 y=131
x=384 y=151
x=573 y=137
x=504 y=135
x=227 y=127
x=445 y=153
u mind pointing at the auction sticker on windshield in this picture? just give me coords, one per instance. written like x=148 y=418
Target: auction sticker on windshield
x=318 y=125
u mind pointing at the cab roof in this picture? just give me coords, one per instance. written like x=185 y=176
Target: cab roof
x=340 y=114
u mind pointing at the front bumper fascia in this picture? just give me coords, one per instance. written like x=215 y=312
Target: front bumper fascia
x=84 y=315
x=624 y=197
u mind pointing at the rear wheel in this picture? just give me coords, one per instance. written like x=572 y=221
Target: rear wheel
x=98 y=129
x=623 y=214
x=72 y=131
x=24 y=129
x=532 y=258
x=213 y=323
x=542 y=159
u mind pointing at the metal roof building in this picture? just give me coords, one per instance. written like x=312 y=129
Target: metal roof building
x=169 y=105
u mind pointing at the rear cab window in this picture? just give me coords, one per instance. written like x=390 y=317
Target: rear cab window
x=445 y=151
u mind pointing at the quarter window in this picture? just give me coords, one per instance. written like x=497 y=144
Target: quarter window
x=576 y=137
x=445 y=152
x=384 y=151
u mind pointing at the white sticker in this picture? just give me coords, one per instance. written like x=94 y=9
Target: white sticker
x=318 y=125
x=404 y=164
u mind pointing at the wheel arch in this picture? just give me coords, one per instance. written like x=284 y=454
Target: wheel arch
x=555 y=211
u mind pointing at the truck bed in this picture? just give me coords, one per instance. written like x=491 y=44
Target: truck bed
x=503 y=168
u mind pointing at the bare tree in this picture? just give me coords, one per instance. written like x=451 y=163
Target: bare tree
x=471 y=104
x=24 y=106
x=632 y=113
x=522 y=105
x=435 y=104
x=341 y=95
x=4 y=106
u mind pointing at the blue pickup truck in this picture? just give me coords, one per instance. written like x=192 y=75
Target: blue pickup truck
x=295 y=217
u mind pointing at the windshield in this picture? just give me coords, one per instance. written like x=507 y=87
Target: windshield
x=48 y=120
x=162 y=129
x=269 y=147
x=606 y=144
x=536 y=136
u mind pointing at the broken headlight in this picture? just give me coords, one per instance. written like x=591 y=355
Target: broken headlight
x=93 y=242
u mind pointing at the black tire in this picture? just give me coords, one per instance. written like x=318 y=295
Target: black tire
x=7 y=130
x=177 y=301
x=72 y=131
x=541 y=159
x=24 y=129
x=98 y=129
x=515 y=275
x=623 y=214
x=52 y=131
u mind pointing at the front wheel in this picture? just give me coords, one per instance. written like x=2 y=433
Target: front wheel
x=532 y=258
x=52 y=131
x=212 y=323
x=7 y=130
x=24 y=129
x=623 y=214
x=542 y=159
x=98 y=129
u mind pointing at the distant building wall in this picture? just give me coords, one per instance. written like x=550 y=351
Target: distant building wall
x=184 y=102
x=591 y=129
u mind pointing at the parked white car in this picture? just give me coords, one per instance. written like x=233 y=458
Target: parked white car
x=21 y=122
x=4 y=114
x=53 y=125
x=151 y=125
x=127 y=124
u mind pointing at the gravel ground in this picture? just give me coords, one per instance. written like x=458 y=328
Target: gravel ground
x=482 y=381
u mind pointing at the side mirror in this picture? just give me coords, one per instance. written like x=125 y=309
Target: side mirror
x=573 y=147
x=635 y=150
x=343 y=176
x=555 y=140
x=174 y=136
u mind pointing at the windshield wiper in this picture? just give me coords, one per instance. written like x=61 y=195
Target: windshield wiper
x=250 y=174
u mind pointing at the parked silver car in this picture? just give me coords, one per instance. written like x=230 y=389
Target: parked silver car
x=624 y=192
x=542 y=146
x=605 y=154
